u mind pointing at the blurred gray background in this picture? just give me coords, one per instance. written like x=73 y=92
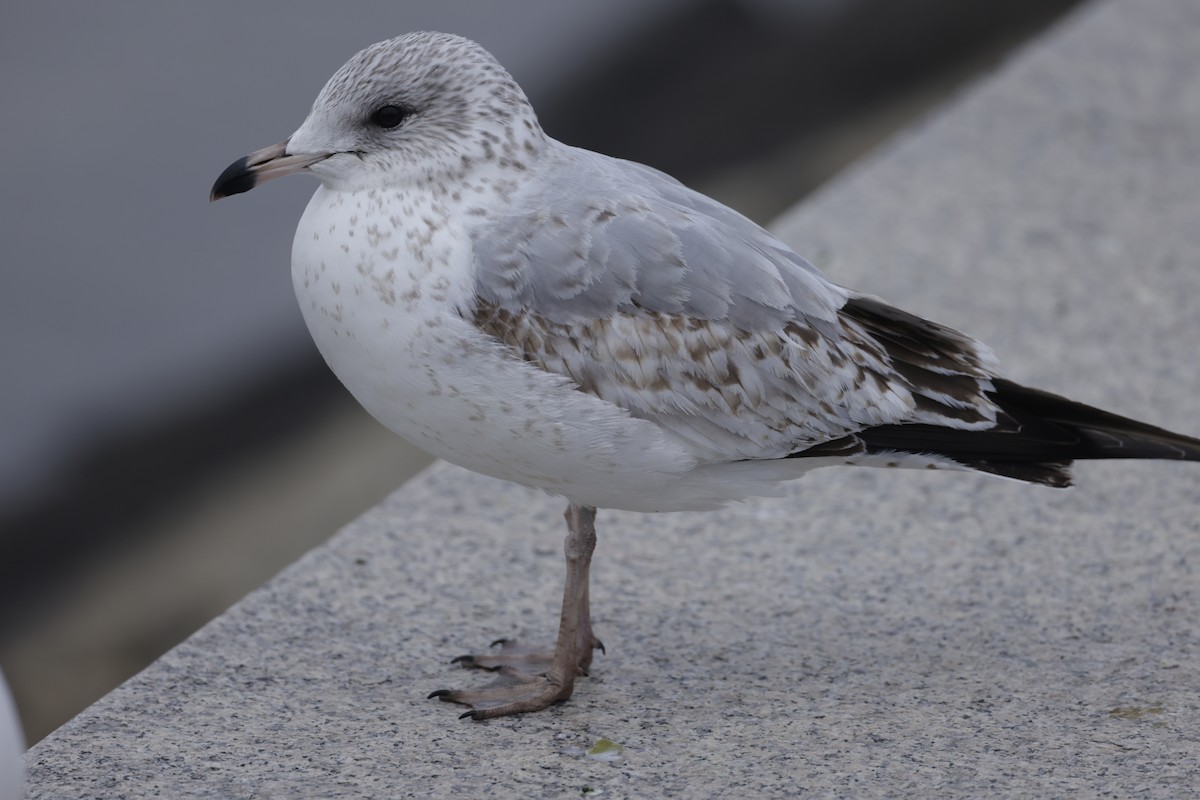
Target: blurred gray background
x=169 y=437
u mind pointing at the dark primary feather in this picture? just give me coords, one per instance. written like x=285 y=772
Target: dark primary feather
x=1036 y=437
x=1036 y=434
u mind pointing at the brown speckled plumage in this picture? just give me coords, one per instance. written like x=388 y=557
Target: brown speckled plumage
x=592 y=327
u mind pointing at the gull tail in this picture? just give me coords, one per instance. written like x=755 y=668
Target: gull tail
x=1036 y=438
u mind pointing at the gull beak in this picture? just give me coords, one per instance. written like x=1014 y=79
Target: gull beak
x=261 y=166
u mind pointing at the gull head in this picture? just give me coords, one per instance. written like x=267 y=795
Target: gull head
x=418 y=109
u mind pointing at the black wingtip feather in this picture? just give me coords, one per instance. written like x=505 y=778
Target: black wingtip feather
x=1102 y=434
x=1037 y=436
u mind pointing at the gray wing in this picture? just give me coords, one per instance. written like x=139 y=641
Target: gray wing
x=602 y=236
x=660 y=300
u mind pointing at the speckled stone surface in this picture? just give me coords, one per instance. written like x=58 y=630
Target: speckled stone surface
x=876 y=633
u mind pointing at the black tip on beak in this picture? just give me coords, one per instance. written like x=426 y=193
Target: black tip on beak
x=237 y=178
x=261 y=166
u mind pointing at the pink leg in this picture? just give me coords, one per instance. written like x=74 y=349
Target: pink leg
x=531 y=679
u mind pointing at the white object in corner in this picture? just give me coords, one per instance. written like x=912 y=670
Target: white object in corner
x=12 y=748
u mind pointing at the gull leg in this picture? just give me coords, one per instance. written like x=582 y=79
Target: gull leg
x=530 y=679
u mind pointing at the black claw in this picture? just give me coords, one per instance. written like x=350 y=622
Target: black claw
x=500 y=642
x=470 y=714
x=600 y=646
x=439 y=693
x=464 y=660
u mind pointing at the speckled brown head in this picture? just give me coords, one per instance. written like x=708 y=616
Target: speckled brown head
x=421 y=107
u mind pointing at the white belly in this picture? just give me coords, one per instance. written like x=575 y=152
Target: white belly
x=386 y=320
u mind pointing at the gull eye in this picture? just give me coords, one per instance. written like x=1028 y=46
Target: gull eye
x=388 y=116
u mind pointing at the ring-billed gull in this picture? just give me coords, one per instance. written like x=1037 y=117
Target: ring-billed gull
x=592 y=327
